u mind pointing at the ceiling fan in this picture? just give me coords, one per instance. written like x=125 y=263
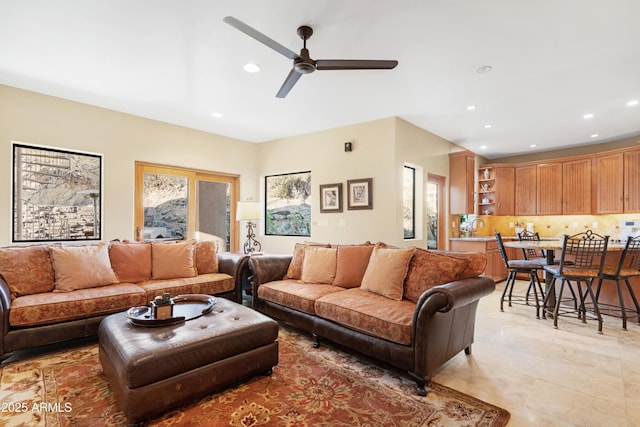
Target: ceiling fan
x=302 y=63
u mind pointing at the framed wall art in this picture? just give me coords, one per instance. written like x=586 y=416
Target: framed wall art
x=331 y=198
x=360 y=192
x=288 y=204
x=57 y=194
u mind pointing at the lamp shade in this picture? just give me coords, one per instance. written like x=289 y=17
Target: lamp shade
x=247 y=211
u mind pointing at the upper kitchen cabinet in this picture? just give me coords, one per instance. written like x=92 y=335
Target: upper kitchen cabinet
x=609 y=183
x=549 y=185
x=526 y=190
x=576 y=187
x=632 y=181
x=496 y=193
x=462 y=166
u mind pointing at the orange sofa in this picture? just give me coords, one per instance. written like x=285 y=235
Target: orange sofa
x=53 y=293
x=412 y=308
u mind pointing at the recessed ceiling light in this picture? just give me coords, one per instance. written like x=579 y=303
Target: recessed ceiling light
x=251 y=67
x=588 y=116
x=216 y=115
x=471 y=107
x=483 y=147
x=633 y=103
x=533 y=146
x=484 y=69
x=488 y=126
x=595 y=135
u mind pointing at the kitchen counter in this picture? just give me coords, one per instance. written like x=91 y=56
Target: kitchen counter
x=482 y=238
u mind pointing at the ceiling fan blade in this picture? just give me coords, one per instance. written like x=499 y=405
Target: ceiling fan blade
x=291 y=80
x=354 y=64
x=267 y=41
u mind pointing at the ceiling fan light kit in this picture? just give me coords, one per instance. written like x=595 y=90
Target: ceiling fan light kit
x=303 y=63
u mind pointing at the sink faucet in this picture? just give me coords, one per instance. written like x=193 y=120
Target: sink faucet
x=476 y=221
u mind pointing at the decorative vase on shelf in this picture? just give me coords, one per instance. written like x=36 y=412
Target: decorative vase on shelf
x=486 y=173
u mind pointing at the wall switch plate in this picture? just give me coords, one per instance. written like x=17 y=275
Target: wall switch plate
x=575 y=224
x=453 y=224
x=510 y=225
x=595 y=224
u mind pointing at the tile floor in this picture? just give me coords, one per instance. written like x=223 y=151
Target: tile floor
x=570 y=376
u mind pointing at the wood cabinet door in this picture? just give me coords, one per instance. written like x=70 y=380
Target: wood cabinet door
x=609 y=183
x=549 y=183
x=525 y=190
x=632 y=181
x=505 y=190
x=576 y=187
x=461 y=184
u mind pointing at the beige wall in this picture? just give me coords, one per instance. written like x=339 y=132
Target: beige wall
x=122 y=139
x=380 y=148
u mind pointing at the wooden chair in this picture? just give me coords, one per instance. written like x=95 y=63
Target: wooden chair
x=520 y=266
x=628 y=266
x=587 y=252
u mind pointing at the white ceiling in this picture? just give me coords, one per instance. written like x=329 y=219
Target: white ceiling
x=176 y=61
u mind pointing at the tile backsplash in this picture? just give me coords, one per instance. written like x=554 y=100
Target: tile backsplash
x=554 y=225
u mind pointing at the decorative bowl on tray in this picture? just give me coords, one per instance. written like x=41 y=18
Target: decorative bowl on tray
x=186 y=307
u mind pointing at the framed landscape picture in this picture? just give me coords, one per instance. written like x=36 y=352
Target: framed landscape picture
x=288 y=204
x=331 y=198
x=360 y=193
x=57 y=194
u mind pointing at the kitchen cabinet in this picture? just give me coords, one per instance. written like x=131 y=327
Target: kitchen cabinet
x=496 y=190
x=549 y=185
x=461 y=183
x=576 y=187
x=525 y=190
x=632 y=181
x=609 y=191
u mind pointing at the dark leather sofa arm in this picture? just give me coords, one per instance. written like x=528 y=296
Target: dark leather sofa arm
x=5 y=305
x=268 y=268
x=233 y=264
x=459 y=293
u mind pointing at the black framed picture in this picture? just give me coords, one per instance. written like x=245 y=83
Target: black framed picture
x=56 y=193
x=360 y=193
x=288 y=204
x=331 y=198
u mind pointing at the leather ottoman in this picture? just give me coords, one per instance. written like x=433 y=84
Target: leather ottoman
x=151 y=370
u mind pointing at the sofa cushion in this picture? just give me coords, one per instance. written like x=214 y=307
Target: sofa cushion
x=206 y=258
x=295 y=294
x=81 y=267
x=295 y=266
x=210 y=284
x=369 y=313
x=352 y=262
x=52 y=307
x=172 y=260
x=428 y=269
x=386 y=271
x=476 y=266
x=319 y=265
x=131 y=261
x=27 y=270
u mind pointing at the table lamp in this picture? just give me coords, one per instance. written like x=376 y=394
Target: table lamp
x=249 y=211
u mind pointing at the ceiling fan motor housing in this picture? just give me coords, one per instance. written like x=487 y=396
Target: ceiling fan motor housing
x=304 y=64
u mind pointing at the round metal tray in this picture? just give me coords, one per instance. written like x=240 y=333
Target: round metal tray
x=185 y=307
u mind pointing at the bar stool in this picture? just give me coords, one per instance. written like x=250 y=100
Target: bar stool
x=628 y=266
x=516 y=266
x=587 y=251
x=532 y=253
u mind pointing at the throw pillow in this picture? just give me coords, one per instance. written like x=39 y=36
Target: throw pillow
x=351 y=265
x=428 y=269
x=27 y=270
x=386 y=271
x=319 y=265
x=81 y=267
x=131 y=261
x=173 y=260
x=294 y=271
x=476 y=266
x=206 y=258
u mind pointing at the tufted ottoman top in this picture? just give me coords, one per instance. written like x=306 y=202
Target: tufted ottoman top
x=142 y=356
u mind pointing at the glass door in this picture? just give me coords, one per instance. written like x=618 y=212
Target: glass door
x=435 y=212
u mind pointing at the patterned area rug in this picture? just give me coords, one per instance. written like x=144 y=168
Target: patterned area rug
x=309 y=387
